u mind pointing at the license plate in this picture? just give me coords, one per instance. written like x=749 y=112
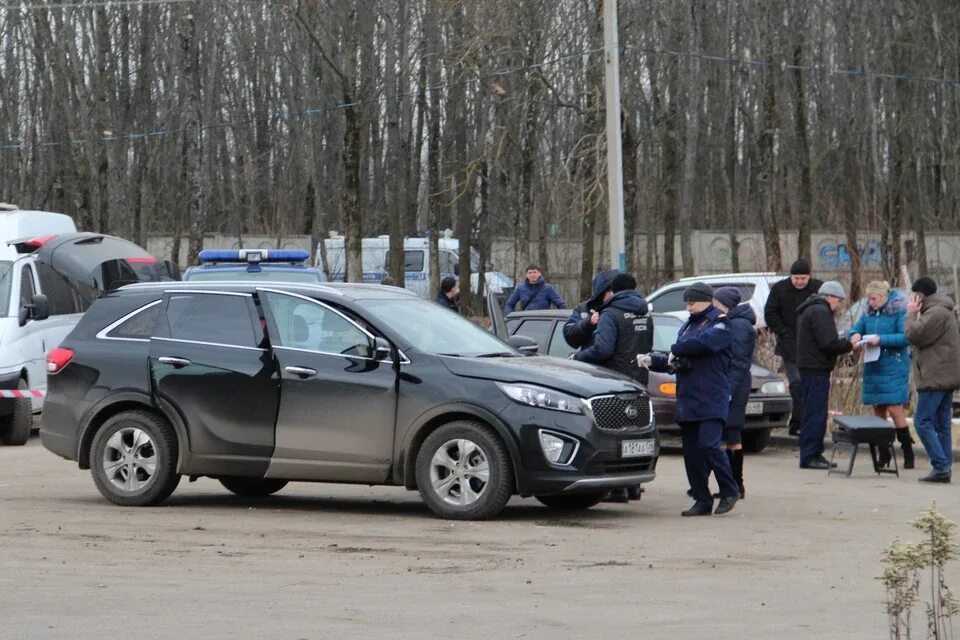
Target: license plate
x=635 y=448
x=754 y=408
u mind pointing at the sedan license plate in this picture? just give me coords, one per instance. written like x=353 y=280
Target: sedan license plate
x=754 y=408
x=636 y=448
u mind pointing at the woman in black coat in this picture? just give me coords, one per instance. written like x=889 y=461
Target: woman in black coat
x=742 y=321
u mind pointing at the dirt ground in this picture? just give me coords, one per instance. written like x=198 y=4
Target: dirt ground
x=796 y=559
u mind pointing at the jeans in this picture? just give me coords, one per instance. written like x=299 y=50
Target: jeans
x=816 y=393
x=702 y=454
x=932 y=422
x=796 y=394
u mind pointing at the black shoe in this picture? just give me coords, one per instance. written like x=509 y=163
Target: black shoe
x=794 y=430
x=690 y=492
x=883 y=457
x=908 y=456
x=698 y=509
x=937 y=476
x=816 y=464
x=726 y=505
x=743 y=492
x=833 y=465
x=617 y=495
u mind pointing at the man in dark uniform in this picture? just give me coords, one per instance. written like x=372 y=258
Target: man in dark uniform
x=780 y=313
x=701 y=362
x=579 y=328
x=449 y=294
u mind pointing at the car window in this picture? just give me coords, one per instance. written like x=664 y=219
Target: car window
x=512 y=324
x=671 y=300
x=558 y=344
x=138 y=326
x=214 y=318
x=412 y=260
x=746 y=289
x=665 y=333
x=277 y=275
x=63 y=293
x=6 y=275
x=539 y=330
x=305 y=324
x=26 y=286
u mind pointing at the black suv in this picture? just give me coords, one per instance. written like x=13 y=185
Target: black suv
x=257 y=384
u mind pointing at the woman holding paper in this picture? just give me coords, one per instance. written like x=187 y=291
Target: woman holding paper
x=879 y=333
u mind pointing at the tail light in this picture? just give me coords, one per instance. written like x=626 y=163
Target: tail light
x=58 y=358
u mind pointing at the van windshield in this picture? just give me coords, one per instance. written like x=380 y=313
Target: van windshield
x=6 y=276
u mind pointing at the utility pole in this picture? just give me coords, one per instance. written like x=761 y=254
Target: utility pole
x=611 y=44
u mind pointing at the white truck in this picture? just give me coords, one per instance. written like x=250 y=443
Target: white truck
x=416 y=263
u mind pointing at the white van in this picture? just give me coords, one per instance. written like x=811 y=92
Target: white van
x=26 y=329
x=416 y=263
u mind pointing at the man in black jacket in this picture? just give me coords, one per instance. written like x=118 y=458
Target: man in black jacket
x=818 y=345
x=624 y=329
x=449 y=295
x=579 y=328
x=781 y=314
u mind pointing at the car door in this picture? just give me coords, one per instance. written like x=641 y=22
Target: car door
x=209 y=364
x=338 y=402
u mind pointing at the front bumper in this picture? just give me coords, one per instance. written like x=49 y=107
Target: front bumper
x=597 y=463
x=776 y=414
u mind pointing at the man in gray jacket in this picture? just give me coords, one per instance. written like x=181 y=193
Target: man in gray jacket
x=931 y=328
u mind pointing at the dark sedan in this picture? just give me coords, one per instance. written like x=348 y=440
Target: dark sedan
x=769 y=406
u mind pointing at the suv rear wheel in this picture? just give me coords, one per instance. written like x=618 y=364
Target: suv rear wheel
x=133 y=459
x=463 y=472
x=15 y=429
x=573 y=501
x=252 y=487
x=755 y=440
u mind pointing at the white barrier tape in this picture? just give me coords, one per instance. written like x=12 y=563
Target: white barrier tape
x=21 y=393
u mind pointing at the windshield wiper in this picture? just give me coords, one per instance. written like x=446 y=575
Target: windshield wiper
x=498 y=354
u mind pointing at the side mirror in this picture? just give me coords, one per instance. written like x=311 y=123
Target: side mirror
x=38 y=309
x=526 y=345
x=382 y=349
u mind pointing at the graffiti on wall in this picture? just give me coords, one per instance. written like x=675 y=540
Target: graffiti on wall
x=836 y=255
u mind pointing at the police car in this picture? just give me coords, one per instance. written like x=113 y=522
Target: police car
x=275 y=265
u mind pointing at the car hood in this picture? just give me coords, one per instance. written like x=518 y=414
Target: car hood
x=578 y=378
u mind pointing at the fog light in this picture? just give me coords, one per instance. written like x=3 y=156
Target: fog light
x=556 y=449
x=773 y=387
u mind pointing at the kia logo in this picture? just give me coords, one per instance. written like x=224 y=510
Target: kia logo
x=631 y=411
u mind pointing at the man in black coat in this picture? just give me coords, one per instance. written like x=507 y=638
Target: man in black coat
x=579 y=328
x=449 y=295
x=781 y=315
x=818 y=345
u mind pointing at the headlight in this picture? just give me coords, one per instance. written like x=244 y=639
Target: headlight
x=776 y=386
x=557 y=449
x=542 y=397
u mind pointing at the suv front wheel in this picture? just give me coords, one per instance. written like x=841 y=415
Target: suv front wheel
x=463 y=472
x=133 y=459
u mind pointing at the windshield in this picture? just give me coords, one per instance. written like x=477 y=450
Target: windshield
x=429 y=328
x=280 y=275
x=6 y=271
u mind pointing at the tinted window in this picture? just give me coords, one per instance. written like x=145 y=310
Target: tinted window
x=304 y=324
x=63 y=294
x=412 y=260
x=139 y=326
x=205 y=317
x=671 y=300
x=26 y=286
x=558 y=344
x=539 y=330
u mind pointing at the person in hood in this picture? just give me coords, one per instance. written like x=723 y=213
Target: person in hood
x=742 y=321
x=886 y=380
x=449 y=295
x=700 y=358
x=931 y=329
x=579 y=328
x=781 y=312
x=533 y=294
x=818 y=345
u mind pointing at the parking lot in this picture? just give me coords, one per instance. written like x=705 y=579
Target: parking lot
x=797 y=558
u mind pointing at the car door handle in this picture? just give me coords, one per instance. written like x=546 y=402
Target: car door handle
x=176 y=362
x=303 y=372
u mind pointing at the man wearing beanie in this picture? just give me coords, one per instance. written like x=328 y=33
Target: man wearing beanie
x=818 y=345
x=780 y=312
x=931 y=329
x=701 y=361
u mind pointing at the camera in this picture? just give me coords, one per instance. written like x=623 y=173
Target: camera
x=681 y=364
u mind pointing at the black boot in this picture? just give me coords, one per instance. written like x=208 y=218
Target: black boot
x=883 y=455
x=906 y=444
x=736 y=465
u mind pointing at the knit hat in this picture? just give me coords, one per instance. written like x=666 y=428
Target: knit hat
x=832 y=288
x=800 y=268
x=727 y=296
x=447 y=284
x=698 y=292
x=925 y=285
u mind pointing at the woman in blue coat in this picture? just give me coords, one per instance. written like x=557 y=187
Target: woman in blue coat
x=886 y=381
x=742 y=320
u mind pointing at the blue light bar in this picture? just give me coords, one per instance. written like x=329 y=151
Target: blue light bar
x=253 y=255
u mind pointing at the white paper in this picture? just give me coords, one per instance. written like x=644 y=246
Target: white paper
x=871 y=353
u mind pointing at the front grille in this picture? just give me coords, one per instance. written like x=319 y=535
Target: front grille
x=623 y=411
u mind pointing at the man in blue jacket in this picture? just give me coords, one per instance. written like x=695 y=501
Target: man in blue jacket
x=701 y=361
x=533 y=294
